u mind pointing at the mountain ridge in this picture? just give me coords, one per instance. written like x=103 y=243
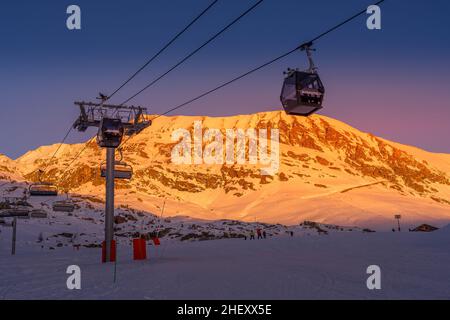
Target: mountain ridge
x=322 y=161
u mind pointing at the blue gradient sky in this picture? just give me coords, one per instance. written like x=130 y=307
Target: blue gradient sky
x=393 y=83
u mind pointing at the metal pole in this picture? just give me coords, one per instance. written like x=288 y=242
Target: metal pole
x=13 y=248
x=398 y=222
x=109 y=207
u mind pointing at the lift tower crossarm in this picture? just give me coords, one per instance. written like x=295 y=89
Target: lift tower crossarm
x=110 y=106
x=133 y=118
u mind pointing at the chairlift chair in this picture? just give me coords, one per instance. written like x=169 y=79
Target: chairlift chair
x=140 y=123
x=122 y=170
x=38 y=213
x=43 y=189
x=17 y=207
x=303 y=91
x=63 y=206
x=21 y=213
x=14 y=201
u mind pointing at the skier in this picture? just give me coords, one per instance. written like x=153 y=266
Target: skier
x=252 y=235
x=258 y=231
x=75 y=244
x=264 y=234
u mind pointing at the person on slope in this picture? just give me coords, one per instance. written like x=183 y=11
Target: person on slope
x=258 y=231
x=252 y=235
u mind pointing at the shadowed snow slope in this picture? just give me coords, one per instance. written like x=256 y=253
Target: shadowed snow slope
x=413 y=266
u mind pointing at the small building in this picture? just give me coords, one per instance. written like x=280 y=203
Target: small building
x=424 y=228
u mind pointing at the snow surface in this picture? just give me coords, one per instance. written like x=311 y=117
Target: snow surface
x=333 y=266
x=320 y=261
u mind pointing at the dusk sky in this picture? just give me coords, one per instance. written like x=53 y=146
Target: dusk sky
x=392 y=82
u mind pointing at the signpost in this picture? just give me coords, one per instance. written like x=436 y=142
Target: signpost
x=13 y=245
x=398 y=217
x=14 y=215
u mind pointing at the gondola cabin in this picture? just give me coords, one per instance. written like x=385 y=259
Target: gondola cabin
x=43 y=189
x=110 y=133
x=302 y=93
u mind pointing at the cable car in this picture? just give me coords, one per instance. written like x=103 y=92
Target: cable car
x=303 y=91
x=110 y=133
x=63 y=206
x=43 y=189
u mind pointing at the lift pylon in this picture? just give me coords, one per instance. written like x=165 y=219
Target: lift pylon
x=113 y=122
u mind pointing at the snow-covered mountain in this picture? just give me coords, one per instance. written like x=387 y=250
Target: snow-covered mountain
x=328 y=172
x=8 y=170
x=84 y=227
